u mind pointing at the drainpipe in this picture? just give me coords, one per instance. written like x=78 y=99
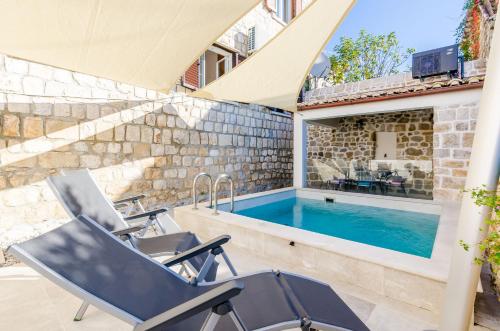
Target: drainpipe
x=457 y=313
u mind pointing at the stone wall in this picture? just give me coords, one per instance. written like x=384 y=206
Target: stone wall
x=134 y=140
x=454 y=127
x=354 y=138
x=451 y=137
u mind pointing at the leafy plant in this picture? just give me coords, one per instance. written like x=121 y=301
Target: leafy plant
x=490 y=245
x=367 y=56
x=468 y=31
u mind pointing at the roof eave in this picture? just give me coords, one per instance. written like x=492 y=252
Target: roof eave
x=390 y=96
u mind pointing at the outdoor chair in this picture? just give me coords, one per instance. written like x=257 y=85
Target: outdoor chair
x=396 y=181
x=343 y=167
x=368 y=182
x=86 y=260
x=338 y=177
x=384 y=170
x=79 y=194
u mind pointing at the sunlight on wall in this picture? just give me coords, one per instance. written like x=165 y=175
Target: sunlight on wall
x=66 y=136
x=26 y=207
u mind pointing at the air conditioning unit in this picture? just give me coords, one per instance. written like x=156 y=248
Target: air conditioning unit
x=435 y=62
x=257 y=37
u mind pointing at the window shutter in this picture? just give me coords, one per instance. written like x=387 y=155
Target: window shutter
x=190 y=78
x=251 y=39
x=271 y=5
x=297 y=8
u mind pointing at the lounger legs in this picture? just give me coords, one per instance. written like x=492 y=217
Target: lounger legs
x=159 y=225
x=214 y=317
x=154 y=222
x=200 y=277
x=146 y=226
x=81 y=311
x=210 y=322
x=185 y=270
x=229 y=264
x=133 y=206
x=236 y=320
x=205 y=268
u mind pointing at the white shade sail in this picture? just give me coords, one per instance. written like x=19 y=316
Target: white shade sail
x=148 y=43
x=274 y=75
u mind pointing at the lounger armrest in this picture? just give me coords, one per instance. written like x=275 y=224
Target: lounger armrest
x=146 y=214
x=205 y=247
x=130 y=230
x=211 y=299
x=129 y=199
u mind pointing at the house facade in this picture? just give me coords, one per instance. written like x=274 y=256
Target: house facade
x=244 y=38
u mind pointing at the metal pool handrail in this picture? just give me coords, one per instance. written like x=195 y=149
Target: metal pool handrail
x=195 y=180
x=216 y=186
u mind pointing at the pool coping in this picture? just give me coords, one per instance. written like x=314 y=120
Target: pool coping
x=435 y=268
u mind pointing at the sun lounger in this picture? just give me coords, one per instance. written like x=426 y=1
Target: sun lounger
x=79 y=194
x=86 y=260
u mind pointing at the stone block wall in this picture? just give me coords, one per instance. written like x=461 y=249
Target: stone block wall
x=354 y=138
x=134 y=141
x=454 y=127
x=451 y=138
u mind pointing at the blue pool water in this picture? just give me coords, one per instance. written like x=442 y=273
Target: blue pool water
x=402 y=231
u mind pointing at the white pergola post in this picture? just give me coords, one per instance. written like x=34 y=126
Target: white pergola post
x=484 y=167
x=299 y=151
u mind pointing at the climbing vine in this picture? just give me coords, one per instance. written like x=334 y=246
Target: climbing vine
x=468 y=31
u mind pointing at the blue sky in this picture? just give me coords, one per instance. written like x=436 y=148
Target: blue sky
x=421 y=24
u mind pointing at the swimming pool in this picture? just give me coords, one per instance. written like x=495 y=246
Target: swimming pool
x=373 y=257
x=403 y=231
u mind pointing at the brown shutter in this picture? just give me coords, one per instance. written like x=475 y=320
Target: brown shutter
x=190 y=78
x=270 y=4
x=297 y=7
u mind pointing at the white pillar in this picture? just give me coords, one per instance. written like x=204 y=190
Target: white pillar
x=483 y=170
x=299 y=151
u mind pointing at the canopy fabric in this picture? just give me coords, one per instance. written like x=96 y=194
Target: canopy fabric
x=147 y=43
x=274 y=75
